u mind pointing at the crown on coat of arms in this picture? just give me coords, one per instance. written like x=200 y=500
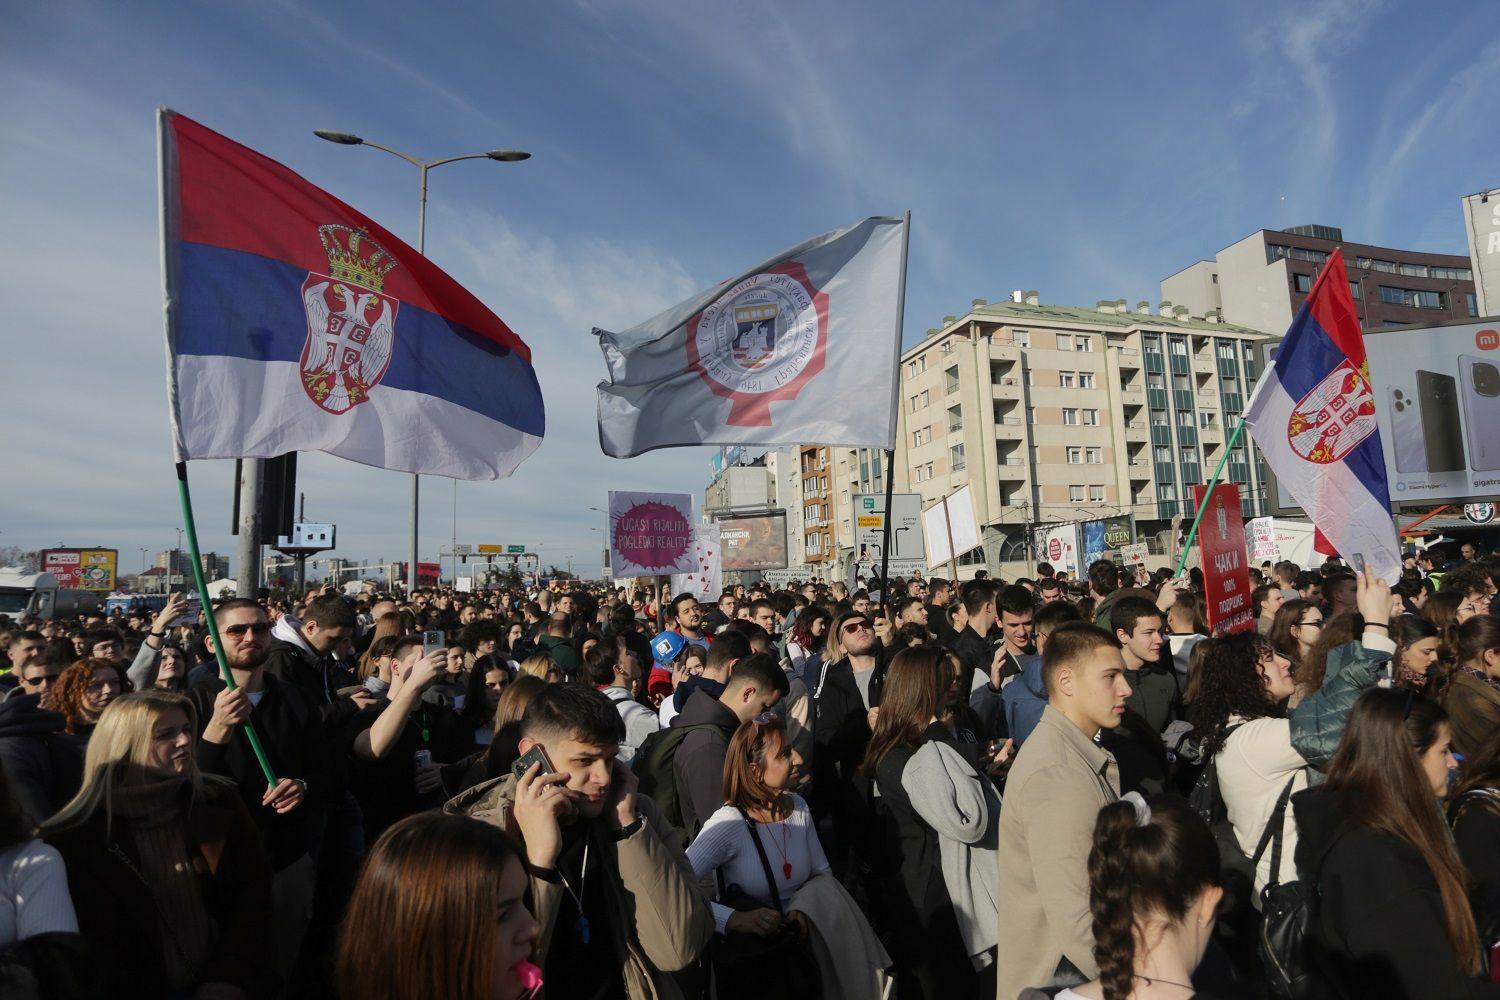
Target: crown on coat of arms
x=354 y=257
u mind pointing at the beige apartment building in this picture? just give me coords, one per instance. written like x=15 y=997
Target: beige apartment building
x=1057 y=413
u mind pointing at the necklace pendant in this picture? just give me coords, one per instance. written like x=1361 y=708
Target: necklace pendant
x=786 y=869
x=582 y=927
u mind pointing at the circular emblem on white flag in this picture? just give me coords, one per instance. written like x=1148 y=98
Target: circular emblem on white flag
x=762 y=339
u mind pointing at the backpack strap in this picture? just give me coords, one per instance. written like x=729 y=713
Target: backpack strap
x=1273 y=831
x=765 y=863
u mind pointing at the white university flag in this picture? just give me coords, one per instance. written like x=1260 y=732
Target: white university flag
x=803 y=347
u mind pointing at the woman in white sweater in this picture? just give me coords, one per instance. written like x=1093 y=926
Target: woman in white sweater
x=34 y=895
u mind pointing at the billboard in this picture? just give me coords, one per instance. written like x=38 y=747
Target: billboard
x=1437 y=404
x=82 y=569
x=1104 y=538
x=753 y=543
x=1226 y=567
x=1482 y=223
x=650 y=534
x=1058 y=544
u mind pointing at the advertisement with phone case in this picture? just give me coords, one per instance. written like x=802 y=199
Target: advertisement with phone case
x=1437 y=401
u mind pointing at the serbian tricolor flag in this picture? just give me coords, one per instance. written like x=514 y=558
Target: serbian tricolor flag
x=294 y=323
x=1313 y=416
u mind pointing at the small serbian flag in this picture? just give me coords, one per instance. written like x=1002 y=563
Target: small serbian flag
x=294 y=323
x=1313 y=416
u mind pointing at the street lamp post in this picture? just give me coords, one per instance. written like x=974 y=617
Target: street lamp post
x=423 y=166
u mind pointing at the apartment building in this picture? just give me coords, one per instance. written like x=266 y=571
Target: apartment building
x=1058 y=413
x=1261 y=281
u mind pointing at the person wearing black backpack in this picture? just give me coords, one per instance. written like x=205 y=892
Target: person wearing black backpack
x=1391 y=917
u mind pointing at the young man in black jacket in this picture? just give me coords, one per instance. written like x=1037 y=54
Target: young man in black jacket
x=290 y=729
x=975 y=646
x=302 y=654
x=755 y=684
x=842 y=708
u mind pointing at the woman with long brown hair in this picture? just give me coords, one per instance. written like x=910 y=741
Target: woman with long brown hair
x=1154 y=895
x=1337 y=632
x=1418 y=662
x=387 y=627
x=1295 y=629
x=1393 y=917
x=939 y=826
x=439 y=912
x=1472 y=694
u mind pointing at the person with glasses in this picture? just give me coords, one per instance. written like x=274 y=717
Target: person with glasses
x=1295 y=629
x=844 y=699
x=31 y=745
x=289 y=814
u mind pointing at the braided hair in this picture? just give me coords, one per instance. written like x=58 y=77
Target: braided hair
x=1137 y=870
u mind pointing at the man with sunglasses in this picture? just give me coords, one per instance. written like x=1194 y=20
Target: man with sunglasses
x=842 y=699
x=27 y=754
x=290 y=727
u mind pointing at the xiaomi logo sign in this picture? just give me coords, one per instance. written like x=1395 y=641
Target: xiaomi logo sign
x=1487 y=340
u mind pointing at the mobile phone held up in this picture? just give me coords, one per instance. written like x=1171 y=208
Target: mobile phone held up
x=433 y=641
x=536 y=755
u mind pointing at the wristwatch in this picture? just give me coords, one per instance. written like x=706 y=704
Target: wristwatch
x=630 y=829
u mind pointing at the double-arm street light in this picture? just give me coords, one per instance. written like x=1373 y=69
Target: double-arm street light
x=423 y=166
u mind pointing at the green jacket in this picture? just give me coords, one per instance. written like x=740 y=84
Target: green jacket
x=1317 y=723
x=562 y=653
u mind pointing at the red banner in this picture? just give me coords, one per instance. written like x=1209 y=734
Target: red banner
x=1226 y=565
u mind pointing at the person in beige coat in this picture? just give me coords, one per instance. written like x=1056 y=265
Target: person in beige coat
x=1060 y=780
x=615 y=898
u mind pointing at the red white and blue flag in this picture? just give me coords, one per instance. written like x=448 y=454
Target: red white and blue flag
x=294 y=323
x=1313 y=416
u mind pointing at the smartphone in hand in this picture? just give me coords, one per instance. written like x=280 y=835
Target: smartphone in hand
x=536 y=755
x=433 y=641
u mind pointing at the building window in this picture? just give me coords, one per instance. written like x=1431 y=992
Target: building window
x=1156 y=381
x=1388 y=266
x=1065 y=380
x=1094 y=456
x=1451 y=273
x=1413 y=297
x=1414 y=270
x=1091 y=418
x=955 y=420
x=1021 y=338
x=950 y=380
x=1096 y=494
x=1472 y=302
x=1070 y=417
x=1205 y=420
x=1356 y=290
x=1166 y=491
x=1302 y=282
x=1189 y=456
x=1075 y=494
x=1184 y=418
x=1036 y=455
x=1064 y=341
x=1026 y=377
x=956 y=458
x=1085 y=344
x=1163 y=456
x=1085 y=380
x=1177 y=346
x=1075 y=456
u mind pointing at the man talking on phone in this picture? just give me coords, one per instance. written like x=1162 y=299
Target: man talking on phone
x=615 y=897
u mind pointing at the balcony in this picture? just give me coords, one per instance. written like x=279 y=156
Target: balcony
x=1010 y=467
x=1204 y=364
x=1136 y=432
x=1006 y=387
x=1009 y=427
x=1133 y=397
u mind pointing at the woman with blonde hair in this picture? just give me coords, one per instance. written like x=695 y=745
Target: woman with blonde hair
x=387 y=626
x=542 y=666
x=439 y=911
x=171 y=884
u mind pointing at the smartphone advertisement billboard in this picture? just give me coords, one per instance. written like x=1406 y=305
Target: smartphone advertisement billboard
x=1437 y=401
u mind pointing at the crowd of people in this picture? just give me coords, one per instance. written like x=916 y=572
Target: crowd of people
x=1033 y=788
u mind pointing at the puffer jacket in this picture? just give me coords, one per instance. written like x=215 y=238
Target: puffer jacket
x=655 y=893
x=1318 y=722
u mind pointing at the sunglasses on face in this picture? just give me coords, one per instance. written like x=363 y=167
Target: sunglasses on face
x=852 y=627
x=254 y=628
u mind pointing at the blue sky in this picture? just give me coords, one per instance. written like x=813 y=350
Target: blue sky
x=1086 y=150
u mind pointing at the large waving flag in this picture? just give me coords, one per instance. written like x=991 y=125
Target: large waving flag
x=1313 y=416
x=802 y=347
x=294 y=323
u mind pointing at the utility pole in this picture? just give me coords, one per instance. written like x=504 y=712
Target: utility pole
x=247 y=579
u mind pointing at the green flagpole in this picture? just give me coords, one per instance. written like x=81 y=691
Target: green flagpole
x=208 y=612
x=1187 y=544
